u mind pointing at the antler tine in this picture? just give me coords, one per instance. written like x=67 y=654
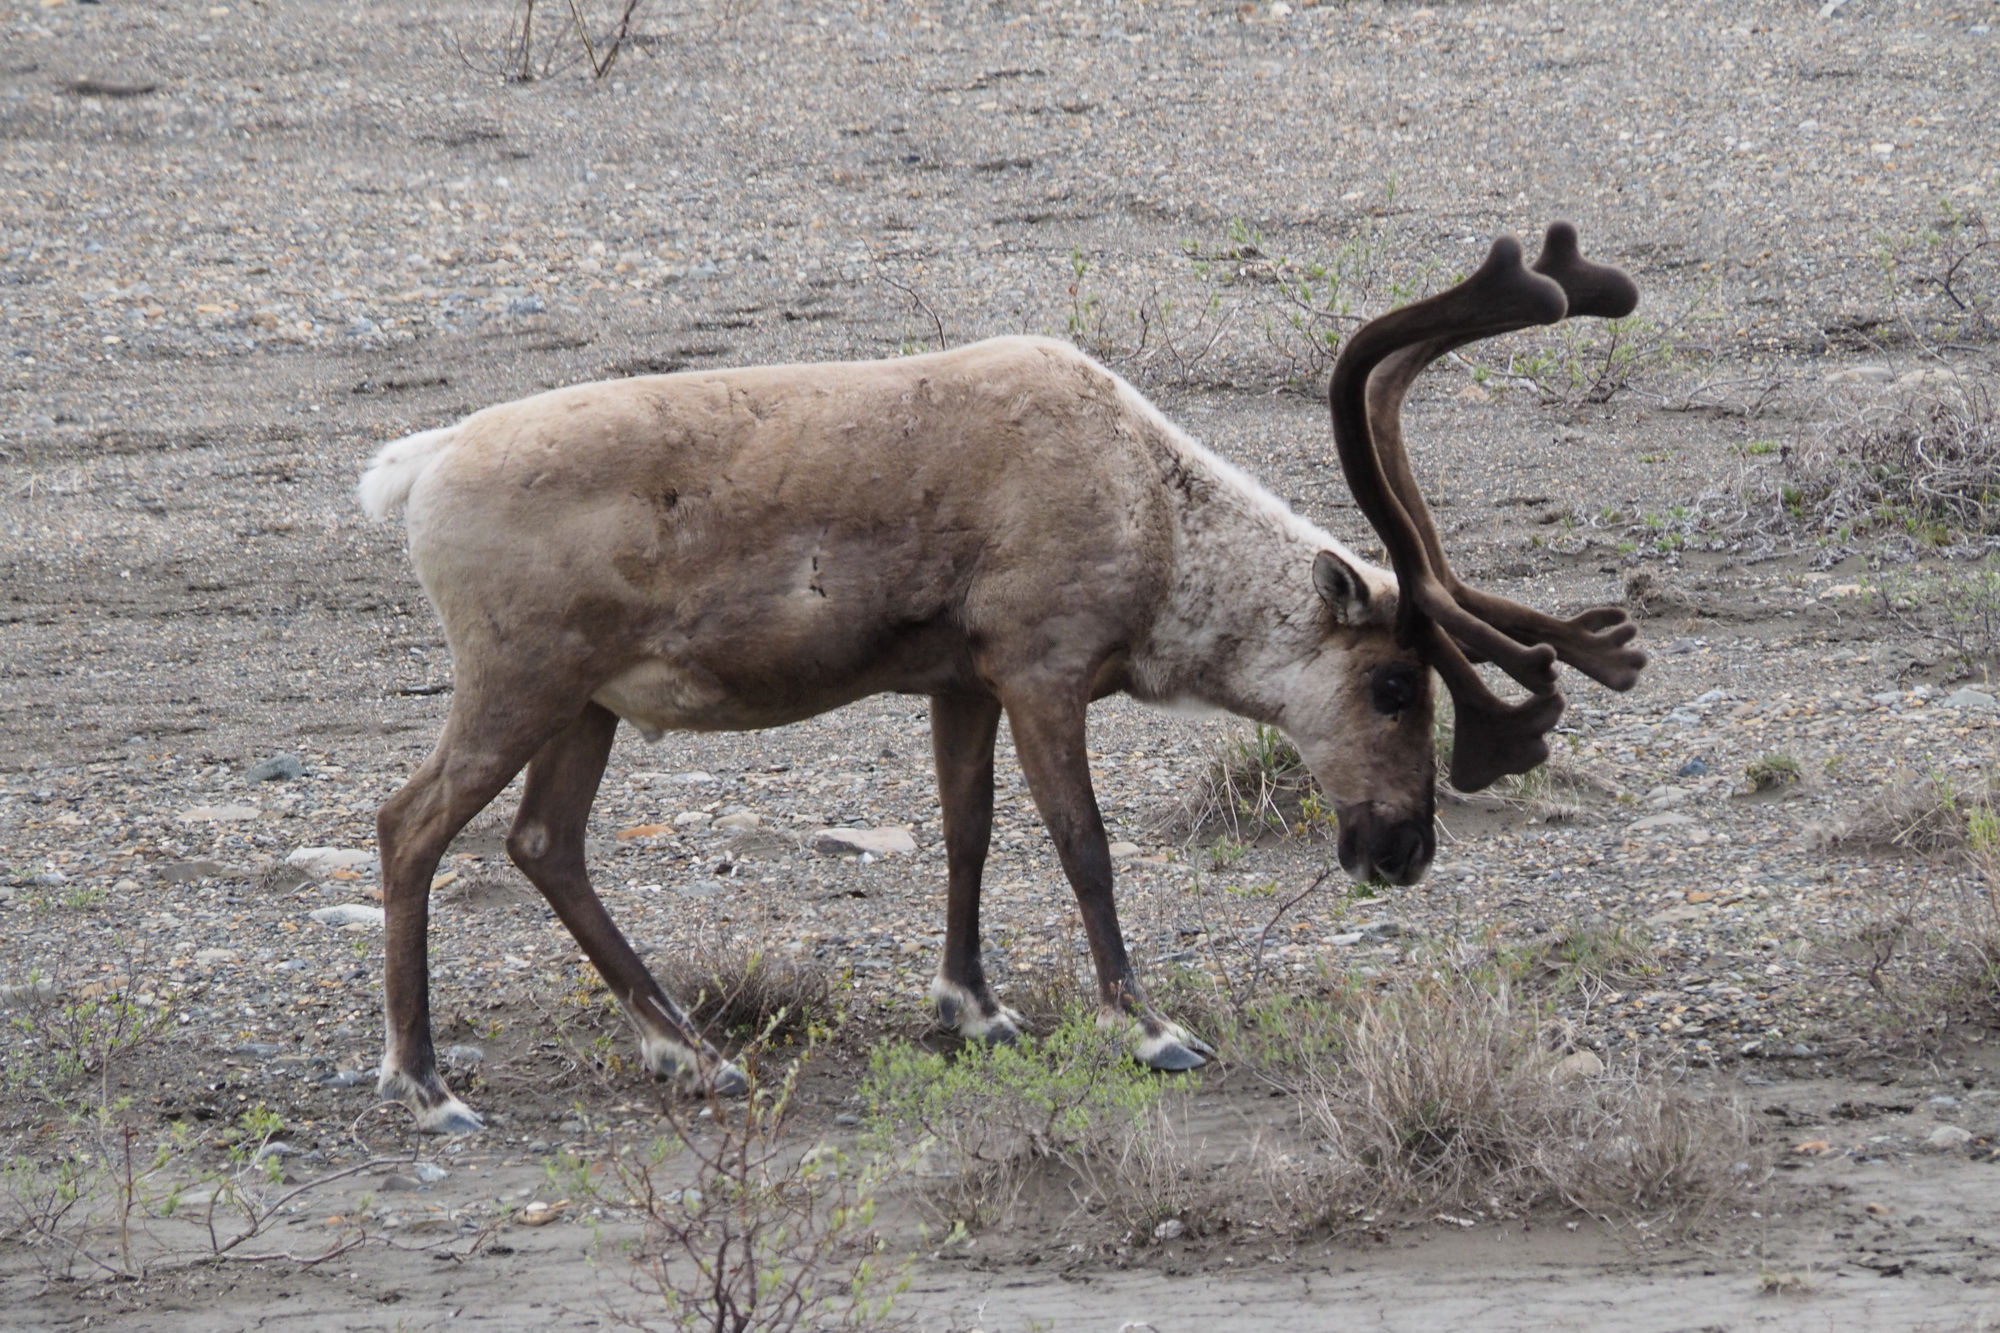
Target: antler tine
x=1491 y=737
x=1595 y=642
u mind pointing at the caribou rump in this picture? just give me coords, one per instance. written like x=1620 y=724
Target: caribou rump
x=1004 y=528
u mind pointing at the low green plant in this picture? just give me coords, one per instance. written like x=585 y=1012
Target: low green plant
x=984 y=1120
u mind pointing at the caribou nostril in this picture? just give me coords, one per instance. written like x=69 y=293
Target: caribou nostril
x=1405 y=852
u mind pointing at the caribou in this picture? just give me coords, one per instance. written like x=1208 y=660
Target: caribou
x=1005 y=528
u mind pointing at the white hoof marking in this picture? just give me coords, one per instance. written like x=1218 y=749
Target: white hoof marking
x=959 y=1010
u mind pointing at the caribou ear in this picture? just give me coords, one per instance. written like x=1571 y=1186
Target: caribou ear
x=1342 y=588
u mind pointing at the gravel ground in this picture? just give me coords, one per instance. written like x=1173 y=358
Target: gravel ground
x=245 y=244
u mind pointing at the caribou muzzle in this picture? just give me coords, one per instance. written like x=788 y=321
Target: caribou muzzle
x=1374 y=844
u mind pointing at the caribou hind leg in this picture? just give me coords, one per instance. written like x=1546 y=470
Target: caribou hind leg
x=473 y=762
x=547 y=843
x=1049 y=737
x=962 y=732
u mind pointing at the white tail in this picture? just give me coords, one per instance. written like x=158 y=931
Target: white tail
x=385 y=487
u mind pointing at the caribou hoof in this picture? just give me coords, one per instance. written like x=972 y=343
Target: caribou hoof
x=726 y=1080
x=437 y=1111
x=1161 y=1044
x=961 y=1011
x=696 y=1073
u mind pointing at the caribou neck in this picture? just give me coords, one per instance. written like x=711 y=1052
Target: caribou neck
x=1243 y=624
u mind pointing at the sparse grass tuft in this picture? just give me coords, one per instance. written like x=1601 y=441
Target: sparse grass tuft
x=1767 y=772
x=1256 y=783
x=1933 y=816
x=1590 y=959
x=1443 y=1098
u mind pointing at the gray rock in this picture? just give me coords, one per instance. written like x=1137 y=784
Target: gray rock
x=1693 y=768
x=1124 y=851
x=1948 y=1138
x=1171 y=1229
x=463 y=1057
x=1671 y=819
x=527 y=305
x=1666 y=798
x=860 y=841
x=278 y=768
x=348 y=914
x=395 y=1184
x=1970 y=698
x=743 y=819
x=1577 y=1068
x=349 y=1078
x=326 y=860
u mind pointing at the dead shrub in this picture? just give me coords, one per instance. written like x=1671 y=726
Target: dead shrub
x=728 y=986
x=1924 y=463
x=747 y=1233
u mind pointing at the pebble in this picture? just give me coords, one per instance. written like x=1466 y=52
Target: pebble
x=693 y=819
x=221 y=814
x=1693 y=768
x=1171 y=1229
x=1946 y=1138
x=1862 y=375
x=463 y=1057
x=864 y=841
x=278 y=768
x=741 y=820
x=1931 y=378
x=1124 y=851
x=210 y=957
x=348 y=914
x=1672 y=819
x=326 y=860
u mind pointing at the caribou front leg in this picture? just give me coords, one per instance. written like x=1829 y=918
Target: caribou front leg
x=1049 y=738
x=962 y=732
x=547 y=843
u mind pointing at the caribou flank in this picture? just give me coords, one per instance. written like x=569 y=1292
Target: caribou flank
x=1006 y=527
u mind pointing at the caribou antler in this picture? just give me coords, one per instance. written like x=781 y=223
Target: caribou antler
x=1596 y=642
x=1437 y=616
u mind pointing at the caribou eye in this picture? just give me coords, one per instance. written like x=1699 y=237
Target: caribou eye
x=1393 y=688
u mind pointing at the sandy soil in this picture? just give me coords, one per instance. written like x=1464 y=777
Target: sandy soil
x=247 y=244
